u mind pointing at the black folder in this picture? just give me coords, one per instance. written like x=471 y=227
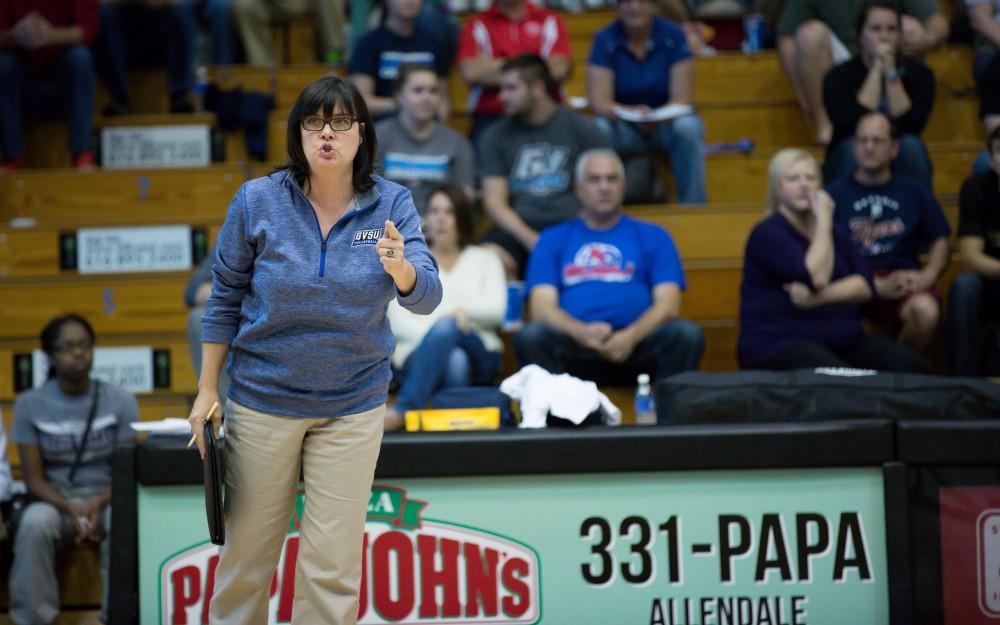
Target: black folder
x=213 y=487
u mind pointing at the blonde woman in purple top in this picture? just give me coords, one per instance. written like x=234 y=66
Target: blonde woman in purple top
x=804 y=282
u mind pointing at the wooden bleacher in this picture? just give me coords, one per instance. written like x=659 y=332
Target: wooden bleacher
x=737 y=96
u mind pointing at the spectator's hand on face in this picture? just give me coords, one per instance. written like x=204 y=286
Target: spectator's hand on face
x=822 y=206
x=800 y=295
x=618 y=347
x=891 y=287
x=887 y=56
x=594 y=335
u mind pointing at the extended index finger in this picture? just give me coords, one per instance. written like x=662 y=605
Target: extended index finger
x=391 y=232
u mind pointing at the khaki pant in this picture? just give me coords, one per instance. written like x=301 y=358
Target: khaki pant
x=264 y=453
x=255 y=19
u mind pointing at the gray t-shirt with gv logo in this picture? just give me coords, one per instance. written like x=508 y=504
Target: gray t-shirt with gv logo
x=55 y=421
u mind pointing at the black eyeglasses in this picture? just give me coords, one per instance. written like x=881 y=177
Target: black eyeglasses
x=338 y=124
x=68 y=348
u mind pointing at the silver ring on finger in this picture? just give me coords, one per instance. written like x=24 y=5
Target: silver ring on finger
x=390 y=252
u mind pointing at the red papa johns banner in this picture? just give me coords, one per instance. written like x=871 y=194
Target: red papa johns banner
x=970 y=554
x=413 y=570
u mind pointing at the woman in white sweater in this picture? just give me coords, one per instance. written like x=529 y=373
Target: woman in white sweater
x=457 y=344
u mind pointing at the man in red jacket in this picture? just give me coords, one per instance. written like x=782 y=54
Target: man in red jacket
x=46 y=66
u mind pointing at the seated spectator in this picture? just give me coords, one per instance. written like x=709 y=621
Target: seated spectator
x=46 y=67
x=984 y=16
x=879 y=80
x=414 y=148
x=6 y=494
x=815 y=35
x=400 y=39
x=256 y=18
x=196 y=294
x=893 y=219
x=66 y=431
x=604 y=290
x=525 y=161
x=507 y=29
x=457 y=344
x=218 y=16
x=804 y=282
x=139 y=18
x=642 y=62
x=974 y=302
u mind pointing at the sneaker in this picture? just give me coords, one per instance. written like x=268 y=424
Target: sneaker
x=334 y=58
x=181 y=102
x=84 y=161
x=116 y=108
x=9 y=166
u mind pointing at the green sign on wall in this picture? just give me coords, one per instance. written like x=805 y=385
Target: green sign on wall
x=795 y=547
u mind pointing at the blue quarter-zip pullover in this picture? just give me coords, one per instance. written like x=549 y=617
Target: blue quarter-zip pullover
x=305 y=315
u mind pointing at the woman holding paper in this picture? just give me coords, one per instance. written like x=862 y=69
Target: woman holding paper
x=306 y=264
x=640 y=82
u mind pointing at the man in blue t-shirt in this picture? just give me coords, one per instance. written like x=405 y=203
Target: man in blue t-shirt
x=893 y=218
x=605 y=289
x=401 y=38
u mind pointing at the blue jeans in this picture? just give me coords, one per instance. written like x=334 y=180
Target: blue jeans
x=218 y=14
x=672 y=348
x=912 y=160
x=973 y=304
x=69 y=91
x=181 y=39
x=445 y=357
x=682 y=141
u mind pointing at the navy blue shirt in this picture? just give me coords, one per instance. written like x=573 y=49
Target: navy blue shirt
x=645 y=81
x=380 y=52
x=605 y=275
x=891 y=224
x=769 y=322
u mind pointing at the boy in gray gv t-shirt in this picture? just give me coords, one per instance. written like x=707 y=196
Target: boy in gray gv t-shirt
x=445 y=156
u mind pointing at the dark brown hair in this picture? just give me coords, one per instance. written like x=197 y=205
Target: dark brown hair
x=405 y=70
x=465 y=219
x=532 y=68
x=328 y=94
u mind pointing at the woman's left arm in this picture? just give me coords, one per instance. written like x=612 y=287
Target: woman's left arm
x=682 y=82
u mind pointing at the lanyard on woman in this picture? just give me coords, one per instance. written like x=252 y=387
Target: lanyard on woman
x=86 y=432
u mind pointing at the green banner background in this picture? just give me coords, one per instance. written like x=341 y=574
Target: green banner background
x=547 y=512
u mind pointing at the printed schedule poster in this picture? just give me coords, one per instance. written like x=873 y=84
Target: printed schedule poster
x=769 y=547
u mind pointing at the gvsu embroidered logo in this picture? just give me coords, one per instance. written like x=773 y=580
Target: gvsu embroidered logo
x=367 y=237
x=414 y=570
x=598 y=261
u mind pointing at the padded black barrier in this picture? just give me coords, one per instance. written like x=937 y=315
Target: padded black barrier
x=956 y=443
x=586 y=450
x=123 y=570
x=940 y=455
x=821 y=394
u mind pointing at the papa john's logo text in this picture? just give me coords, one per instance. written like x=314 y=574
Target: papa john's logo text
x=414 y=570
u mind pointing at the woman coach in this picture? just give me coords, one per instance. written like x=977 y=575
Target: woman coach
x=306 y=264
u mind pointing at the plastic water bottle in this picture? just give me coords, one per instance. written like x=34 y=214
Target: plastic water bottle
x=645 y=408
x=201 y=82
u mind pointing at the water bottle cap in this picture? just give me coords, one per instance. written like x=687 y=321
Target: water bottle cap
x=643 y=378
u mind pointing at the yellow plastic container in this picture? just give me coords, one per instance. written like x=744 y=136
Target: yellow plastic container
x=452 y=419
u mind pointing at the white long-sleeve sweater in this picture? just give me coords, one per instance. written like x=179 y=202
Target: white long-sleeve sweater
x=476 y=284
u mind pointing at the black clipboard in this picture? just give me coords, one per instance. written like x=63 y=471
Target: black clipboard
x=213 y=487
